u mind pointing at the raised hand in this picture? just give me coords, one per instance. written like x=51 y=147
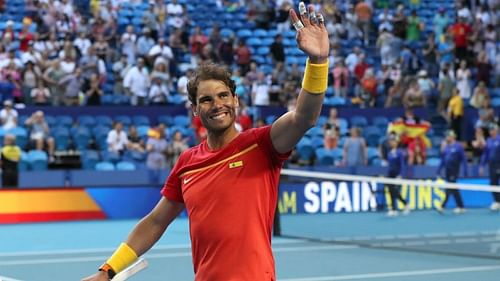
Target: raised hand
x=312 y=36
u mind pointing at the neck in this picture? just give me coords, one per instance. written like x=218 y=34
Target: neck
x=218 y=139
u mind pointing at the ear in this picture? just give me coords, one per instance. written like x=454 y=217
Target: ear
x=237 y=100
x=193 y=108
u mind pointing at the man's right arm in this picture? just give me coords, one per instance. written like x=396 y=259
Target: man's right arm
x=147 y=231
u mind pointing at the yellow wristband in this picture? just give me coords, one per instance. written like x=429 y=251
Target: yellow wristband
x=121 y=258
x=315 y=78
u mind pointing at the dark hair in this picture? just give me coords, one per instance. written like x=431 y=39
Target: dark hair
x=209 y=72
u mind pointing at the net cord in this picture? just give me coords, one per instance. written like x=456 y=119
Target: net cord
x=385 y=180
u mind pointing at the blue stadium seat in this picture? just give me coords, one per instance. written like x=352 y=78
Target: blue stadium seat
x=140 y=120
x=125 y=166
x=314 y=132
x=244 y=33
x=305 y=149
x=86 y=121
x=142 y=131
x=358 y=121
x=65 y=120
x=110 y=156
x=105 y=166
x=260 y=33
x=317 y=142
x=23 y=164
x=38 y=160
x=104 y=120
x=372 y=152
x=165 y=119
x=432 y=161
x=324 y=157
x=81 y=138
x=125 y=120
x=380 y=121
x=89 y=159
x=182 y=121
x=254 y=42
x=61 y=137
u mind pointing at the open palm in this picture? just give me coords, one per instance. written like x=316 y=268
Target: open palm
x=313 y=38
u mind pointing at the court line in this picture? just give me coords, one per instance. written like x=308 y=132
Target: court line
x=397 y=273
x=3 y=278
x=163 y=255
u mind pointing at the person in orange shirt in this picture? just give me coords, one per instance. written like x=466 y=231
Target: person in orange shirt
x=228 y=184
x=364 y=15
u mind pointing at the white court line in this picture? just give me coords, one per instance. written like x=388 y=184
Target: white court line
x=108 y=250
x=397 y=273
x=159 y=256
x=3 y=278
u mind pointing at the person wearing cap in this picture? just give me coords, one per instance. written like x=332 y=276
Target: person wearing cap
x=145 y=42
x=491 y=155
x=396 y=167
x=452 y=156
x=8 y=115
x=10 y=156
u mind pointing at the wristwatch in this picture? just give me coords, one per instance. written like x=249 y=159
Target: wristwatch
x=106 y=268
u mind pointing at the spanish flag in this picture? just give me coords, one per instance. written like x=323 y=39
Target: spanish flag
x=411 y=131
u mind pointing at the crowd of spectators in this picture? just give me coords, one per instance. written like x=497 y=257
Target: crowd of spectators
x=384 y=53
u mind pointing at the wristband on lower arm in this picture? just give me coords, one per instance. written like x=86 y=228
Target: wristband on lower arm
x=121 y=258
x=315 y=78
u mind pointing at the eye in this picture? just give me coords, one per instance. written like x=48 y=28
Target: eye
x=204 y=100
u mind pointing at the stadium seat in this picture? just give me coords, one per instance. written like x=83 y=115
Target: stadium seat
x=89 y=159
x=314 y=132
x=87 y=121
x=182 y=121
x=65 y=120
x=433 y=161
x=105 y=166
x=165 y=119
x=372 y=152
x=244 y=33
x=324 y=157
x=305 y=149
x=317 y=142
x=38 y=160
x=358 y=121
x=81 y=138
x=142 y=131
x=104 y=120
x=260 y=33
x=125 y=120
x=61 y=137
x=125 y=166
x=140 y=120
x=110 y=156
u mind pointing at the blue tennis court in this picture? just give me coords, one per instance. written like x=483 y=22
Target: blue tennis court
x=72 y=250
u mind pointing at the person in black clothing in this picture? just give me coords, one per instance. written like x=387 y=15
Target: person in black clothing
x=277 y=50
x=10 y=154
x=94 y=93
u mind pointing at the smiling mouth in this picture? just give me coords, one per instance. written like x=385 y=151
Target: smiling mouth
x=219 y=116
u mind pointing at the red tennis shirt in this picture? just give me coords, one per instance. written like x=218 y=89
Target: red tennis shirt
x=230 y=196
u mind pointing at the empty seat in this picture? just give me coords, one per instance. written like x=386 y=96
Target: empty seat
x=105 y=166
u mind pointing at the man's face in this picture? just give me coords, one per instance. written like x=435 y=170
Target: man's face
x=216 y=105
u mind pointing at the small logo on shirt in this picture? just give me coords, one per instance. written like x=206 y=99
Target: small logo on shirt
x=187 y=180
x=235 y=164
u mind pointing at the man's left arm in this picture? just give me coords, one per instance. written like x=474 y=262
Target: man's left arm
x=312 y=39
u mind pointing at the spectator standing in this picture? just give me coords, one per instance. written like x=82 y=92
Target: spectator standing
x=414 y=27
x=10 y=156
x=198 y=41
x=94 y=93
x=136 y=83
x=243 y=57
x=460 y=32
x=364 y=18
x=41 y=94
x=355 y=152
x=440 y=22
x=176 y=147
x=480 y=94
x=277 y=50
x=8 y=115
x=156 y=147
x=456 y=113
x=445 y=88
x=340 y=76
x=74 y=83
x=260 y=90
x=463 y=76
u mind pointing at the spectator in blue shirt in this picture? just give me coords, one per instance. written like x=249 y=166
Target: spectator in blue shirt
x=453 y=155
x=491 y=155
x=396 y=166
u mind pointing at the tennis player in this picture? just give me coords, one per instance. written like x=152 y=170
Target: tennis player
x=228 y=183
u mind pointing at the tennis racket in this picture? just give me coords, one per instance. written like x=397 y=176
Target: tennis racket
x=130 y=271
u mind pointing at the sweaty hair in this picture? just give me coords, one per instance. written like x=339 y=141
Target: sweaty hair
x=209 y=72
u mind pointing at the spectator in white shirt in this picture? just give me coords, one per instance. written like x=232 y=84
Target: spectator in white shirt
x=136 y=83
x=158 y=94
x=82 y=43
x=182 y=84
x=175 y=11
x=8 y=116
x=260 y=90
x=160 y=50
x=117 y=139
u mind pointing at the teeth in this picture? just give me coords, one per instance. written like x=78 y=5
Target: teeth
x=219 y=116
